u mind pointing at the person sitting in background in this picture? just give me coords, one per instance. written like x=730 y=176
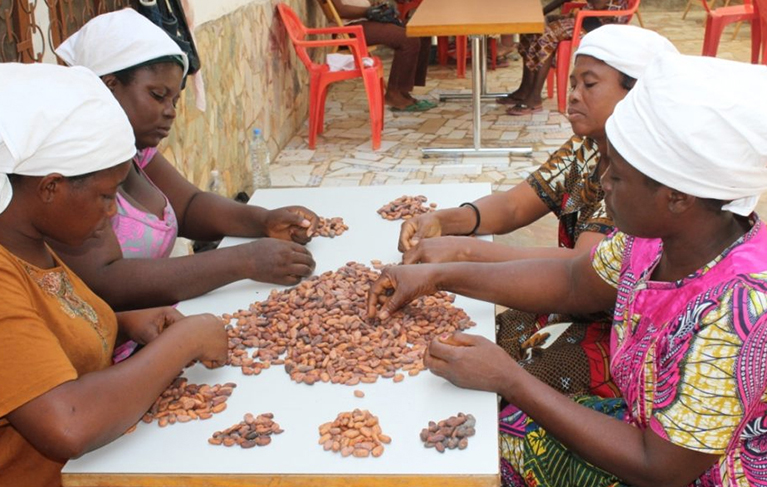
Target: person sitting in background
x=537 y=51
x=411 y=54
x=687 y=274
x=126 y=264
x=63 y=153
x=607 y=64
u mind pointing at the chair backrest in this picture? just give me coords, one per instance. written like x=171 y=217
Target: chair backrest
x=708 y=6
x=405 y=8
x=296 y=31
x=629 y=12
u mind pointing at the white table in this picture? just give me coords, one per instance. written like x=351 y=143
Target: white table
x=179 y=455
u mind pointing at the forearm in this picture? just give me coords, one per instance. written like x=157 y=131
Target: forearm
x=483 y=251
x=209 y=216
x=143 y=283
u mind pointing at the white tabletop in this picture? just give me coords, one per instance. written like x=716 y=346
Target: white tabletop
x=403 y=408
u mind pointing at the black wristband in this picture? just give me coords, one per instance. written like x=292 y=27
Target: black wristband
x=476 y=213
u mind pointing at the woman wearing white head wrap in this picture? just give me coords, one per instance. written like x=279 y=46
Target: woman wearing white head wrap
x=63 y=153
x=689 y=285
x=128 y=266
x=606 y=66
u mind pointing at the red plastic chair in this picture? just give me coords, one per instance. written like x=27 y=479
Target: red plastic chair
x=719 y=18
x=760 y=7
x=320 y=76
x=460 y=52
x=561 y=72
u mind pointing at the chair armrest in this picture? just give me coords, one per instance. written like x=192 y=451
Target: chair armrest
x=356 y=45
x=570 y=6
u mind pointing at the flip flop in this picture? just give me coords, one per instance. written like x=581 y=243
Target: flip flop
x=419 y=106
x=427 y=104
x=521 y=109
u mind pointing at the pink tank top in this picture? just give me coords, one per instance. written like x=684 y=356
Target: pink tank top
x=140 y=233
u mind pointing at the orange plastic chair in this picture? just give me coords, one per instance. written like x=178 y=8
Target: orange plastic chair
x=565 y=49
x=719 y=18
x=760 y=7
x=320 y=76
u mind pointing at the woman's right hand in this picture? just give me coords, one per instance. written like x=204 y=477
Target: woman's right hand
x=418 y=228
x=398 y=286
x=209 y=334
x=276 y=261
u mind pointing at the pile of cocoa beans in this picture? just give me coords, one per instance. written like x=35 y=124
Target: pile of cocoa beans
x=251 y=431
x=355 y=433
x=182 y=402
x=450 y=433
x=405 y=207
x=319 y=331
x=329 y=227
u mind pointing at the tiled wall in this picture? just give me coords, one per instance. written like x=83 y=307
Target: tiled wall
x=253 y=79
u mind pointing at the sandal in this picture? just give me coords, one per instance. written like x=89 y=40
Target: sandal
x=418 y=106
x=521 y=109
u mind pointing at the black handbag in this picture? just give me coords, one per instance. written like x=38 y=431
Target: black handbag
x=169 y=16
x=384 y=13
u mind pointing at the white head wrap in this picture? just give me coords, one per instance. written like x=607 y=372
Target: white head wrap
x=626 y=48
x=698 y=125
x=114 y=41
x=73 y=125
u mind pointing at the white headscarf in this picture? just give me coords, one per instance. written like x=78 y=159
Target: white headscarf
x=624 y=47
x=72 y=125
x=698 y=125
x=114 y=41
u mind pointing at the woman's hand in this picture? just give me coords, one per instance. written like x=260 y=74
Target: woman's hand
x=417 y=229
x=398 y=286
x=440 y=249
x=144 y=325
x=276 y=261
x=470 y=361
x=293 y=223
x=209 y=333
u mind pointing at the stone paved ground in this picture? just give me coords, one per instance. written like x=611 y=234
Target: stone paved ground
x=343 y=156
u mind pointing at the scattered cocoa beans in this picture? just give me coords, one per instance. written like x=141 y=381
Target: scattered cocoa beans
x=329 y=227
x=318 y=330
x=450 y=433
x=406 y=207
x=182 y=402
x=251 y=431
x=359 y=394
x=355 y=433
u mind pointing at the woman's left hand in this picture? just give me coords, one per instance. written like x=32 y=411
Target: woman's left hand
x=144 y=325
x=294 y=223
x=470 y=361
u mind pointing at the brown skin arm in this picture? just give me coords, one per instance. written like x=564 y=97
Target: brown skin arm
x=638 y=457
x=535 y=285
x=499 y=213
x=161 y=282
x=469 y=249
x=349 y=11
x=84 y=414
x=208 y=216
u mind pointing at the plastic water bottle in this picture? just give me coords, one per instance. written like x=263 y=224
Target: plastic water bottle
x=215 y=185
x=259 y=161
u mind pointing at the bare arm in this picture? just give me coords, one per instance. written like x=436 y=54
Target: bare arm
x=638 y=457
x=208 y=216
x=499 y=213
x=81 y=415
x=141 y=283
x=469 y=249
x=349 y=11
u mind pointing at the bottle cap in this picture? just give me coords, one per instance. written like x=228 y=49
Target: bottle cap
x=256 y=131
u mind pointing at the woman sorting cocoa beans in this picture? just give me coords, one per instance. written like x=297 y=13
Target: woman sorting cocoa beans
x=63 y=154
x=686 y=274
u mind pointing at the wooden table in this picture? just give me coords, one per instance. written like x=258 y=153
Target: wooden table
x=179 y=455
x=476 y=19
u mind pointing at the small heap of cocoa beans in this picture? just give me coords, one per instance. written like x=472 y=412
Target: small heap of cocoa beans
x=182 y=402
x=450 y=433
x=355 y=433
x=406 y=207
x=329 y=227
x=319 y=331
x=251 y=431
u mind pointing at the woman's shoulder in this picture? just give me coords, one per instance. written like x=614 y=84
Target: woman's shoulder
x=144 y=156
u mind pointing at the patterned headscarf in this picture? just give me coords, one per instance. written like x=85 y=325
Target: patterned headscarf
x=73 y=125
x=119 y=40
x=698 y=125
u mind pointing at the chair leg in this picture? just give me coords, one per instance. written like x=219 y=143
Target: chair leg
x=442 y=48
x=550 y=80
x=563 y=74
x=314 y=94
x=639 y=19
x=756 y=40
x=493 y=53
x=460 y=56
x=687 y=8
x=713 y=33
x=373 y=89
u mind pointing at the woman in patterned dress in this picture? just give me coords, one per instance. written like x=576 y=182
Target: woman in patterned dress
x=687 y=274
x=607 y=64
x=537 y=51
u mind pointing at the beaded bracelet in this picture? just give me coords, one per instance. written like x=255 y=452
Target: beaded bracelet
x=476 y=213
